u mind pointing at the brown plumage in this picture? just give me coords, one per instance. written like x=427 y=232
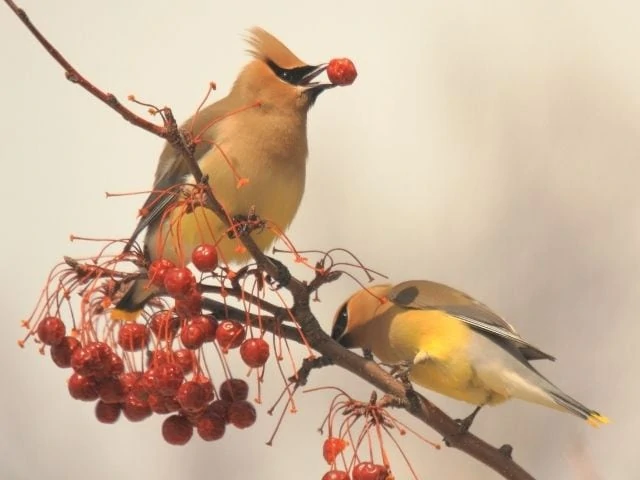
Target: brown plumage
x=258 y=133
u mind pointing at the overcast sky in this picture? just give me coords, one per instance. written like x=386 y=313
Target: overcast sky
x=491 y=148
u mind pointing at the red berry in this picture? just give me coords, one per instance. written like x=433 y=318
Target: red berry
x=128 y=380
x=234 y=389
x=155 y=358
x=111 y=390
x=177 y=430
x=254 y=352
x=108 y=412
x=331 y=448
x=369 y=471
x=51 y=330
x=192 y=335
x=172 y=404
x=190 y=303
x=169 y=377
x=162 y=405
x=178 y=281
x=210 y=426
x=133 y=336
x=230 y=334
x=191 y=396
x=219 y=408
x=208 y=324
x=157 y=404
x=242 y=414
x=341 y=71
x=164 y=325
x=205 y=257
x=145 y=385
x=157 y=271
x=83 y=387
x=92 y=359
x=336 y=475
x=186 y=359
x=134 y=409
x=115 y=365
x=206 y=383
x=61 y=353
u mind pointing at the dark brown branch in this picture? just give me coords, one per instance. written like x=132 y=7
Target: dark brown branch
x=269 y=323
x=246 y=296
x=368 y=370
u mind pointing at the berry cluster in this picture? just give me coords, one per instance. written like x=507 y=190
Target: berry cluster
x=156 y=363
x=376 y=423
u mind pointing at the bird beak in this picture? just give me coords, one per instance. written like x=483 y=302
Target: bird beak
x=307 y=80
x=313 y=89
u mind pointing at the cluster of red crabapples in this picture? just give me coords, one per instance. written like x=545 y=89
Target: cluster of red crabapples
x=155 y=365
x=333 y=446
x=374 y=424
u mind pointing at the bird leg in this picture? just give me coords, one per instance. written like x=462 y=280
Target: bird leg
x=465 y=423
x=366 y=353
x=463 y=426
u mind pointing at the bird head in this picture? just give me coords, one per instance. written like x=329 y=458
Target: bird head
x=354 y=316
x=276 y=77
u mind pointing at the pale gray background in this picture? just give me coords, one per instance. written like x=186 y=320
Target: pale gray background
x=491 y=146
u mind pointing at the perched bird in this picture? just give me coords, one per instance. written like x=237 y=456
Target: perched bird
x=257 y=133
x=450 y=343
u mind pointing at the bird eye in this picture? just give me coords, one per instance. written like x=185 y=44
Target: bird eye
x=340 y=325
x=293 y=76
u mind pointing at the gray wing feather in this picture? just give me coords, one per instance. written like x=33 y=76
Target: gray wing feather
x=427 y=295
x=172 y=170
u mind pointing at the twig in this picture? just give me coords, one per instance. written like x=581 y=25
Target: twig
x=269 y=323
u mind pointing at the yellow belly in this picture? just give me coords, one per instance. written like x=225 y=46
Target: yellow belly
x=273 y=190
x=438 y=343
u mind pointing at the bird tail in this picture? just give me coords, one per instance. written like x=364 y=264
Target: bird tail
x=134 y=300
x=592 y=417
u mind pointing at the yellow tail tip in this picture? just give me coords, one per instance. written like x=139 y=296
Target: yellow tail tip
x=118 y=315
x=596 y=420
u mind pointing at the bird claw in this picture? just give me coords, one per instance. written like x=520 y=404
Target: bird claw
x=400 y=370
x=245 y=224
x=464 y=424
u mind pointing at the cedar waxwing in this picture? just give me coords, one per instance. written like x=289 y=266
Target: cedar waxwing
x=450 y=343
x=259 y=133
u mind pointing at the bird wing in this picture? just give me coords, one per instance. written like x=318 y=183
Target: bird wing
x=172 y=169
x=427 y=295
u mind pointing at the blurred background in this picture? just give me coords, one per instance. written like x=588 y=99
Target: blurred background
x=491 y=148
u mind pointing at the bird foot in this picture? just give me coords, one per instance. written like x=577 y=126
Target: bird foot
x=464 y=424
x=399 y=370
x=368 y=354
x=245 y=224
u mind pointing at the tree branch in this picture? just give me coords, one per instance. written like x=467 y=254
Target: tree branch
x=315 y=337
